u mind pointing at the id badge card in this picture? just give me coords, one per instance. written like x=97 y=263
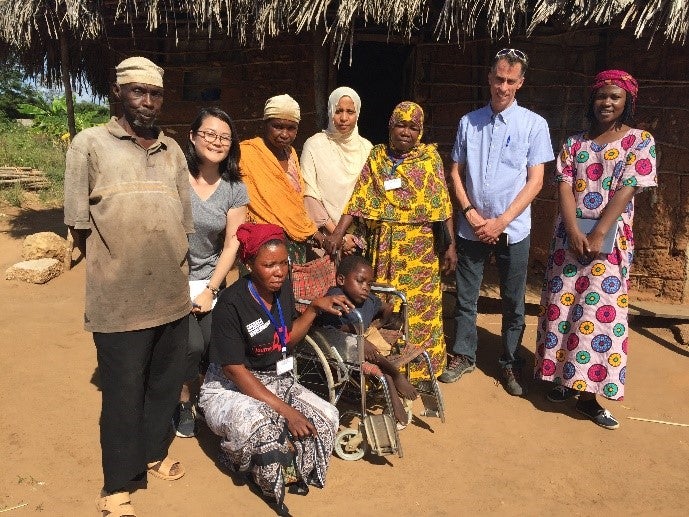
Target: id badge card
x=393 y=184
x=284 y=365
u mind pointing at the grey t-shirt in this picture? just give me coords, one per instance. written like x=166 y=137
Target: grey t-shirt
x=210 y=220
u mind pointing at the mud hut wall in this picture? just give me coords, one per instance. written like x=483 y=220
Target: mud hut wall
x=202 y=71
x=452 y=81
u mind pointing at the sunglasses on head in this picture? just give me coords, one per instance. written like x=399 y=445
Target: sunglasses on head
x=514 y=53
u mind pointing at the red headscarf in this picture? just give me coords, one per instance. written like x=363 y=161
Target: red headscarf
x=619 y=78
x=252 y=236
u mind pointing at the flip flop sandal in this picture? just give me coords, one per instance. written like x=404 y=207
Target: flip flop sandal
x=116 y=505
x=162 y=469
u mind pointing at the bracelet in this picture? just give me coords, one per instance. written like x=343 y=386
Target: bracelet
x=470 y=207
x=213 y=290
x=313 y=242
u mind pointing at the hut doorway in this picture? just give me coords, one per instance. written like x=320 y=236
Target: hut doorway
x=380 y=74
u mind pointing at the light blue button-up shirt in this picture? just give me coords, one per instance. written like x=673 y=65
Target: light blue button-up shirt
x=496 y=151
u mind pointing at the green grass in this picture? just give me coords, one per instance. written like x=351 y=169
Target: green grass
x=21 y=147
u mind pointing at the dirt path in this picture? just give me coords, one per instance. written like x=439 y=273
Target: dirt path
x=495 y=454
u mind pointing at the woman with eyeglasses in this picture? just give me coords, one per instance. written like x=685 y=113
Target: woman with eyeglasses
x=218 y=201
x=272 y=174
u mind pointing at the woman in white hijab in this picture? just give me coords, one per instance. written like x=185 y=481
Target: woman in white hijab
x=331 y=162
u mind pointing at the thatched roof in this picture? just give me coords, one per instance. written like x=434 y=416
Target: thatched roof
x=33 y=26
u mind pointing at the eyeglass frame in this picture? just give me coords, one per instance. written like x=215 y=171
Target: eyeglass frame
x=224 y=139
x=512 y=55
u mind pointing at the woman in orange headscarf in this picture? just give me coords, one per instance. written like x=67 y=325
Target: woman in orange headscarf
x=272 y=176
x=400 y=193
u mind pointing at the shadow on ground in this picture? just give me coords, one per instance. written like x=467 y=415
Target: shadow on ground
x=28 y=221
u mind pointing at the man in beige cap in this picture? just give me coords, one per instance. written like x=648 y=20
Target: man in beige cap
x=127 y=205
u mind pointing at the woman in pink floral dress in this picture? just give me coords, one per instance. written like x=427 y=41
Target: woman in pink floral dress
x=583 y=329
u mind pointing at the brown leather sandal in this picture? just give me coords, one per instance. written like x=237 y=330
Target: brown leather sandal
x=162 y=469
x=116 y=505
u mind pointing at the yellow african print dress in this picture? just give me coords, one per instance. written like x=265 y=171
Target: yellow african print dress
x=398 y=228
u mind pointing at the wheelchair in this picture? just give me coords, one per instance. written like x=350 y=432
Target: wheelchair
x=346 y=377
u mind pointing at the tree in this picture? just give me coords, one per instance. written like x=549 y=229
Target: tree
x=50 y=116
x=14 y=91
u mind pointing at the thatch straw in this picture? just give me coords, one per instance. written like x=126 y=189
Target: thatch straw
x=31 y=27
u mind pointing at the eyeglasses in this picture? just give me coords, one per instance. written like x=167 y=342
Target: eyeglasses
x=513 y=53
x=212 y=136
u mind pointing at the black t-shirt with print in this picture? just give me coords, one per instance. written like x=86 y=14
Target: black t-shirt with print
x=241 y=332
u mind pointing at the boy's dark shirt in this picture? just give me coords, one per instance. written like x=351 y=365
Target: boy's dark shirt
x=369 y=309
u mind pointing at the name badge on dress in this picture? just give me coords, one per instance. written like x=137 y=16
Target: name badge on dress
x=393 y=183
x=284 y=365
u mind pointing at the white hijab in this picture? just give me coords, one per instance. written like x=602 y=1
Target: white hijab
x=354 y=148
x=332 y=161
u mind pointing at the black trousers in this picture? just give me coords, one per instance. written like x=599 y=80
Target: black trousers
x=199 y=339
x=141 y=373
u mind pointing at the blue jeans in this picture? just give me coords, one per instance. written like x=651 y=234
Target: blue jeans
x=512 y=262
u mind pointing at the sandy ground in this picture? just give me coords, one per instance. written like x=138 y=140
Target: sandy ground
x=495 y=454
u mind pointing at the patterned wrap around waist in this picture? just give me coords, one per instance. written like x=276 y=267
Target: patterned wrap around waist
x=254 y=438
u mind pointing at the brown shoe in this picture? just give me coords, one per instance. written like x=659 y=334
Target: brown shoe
x=457 y=366
x=512 y=381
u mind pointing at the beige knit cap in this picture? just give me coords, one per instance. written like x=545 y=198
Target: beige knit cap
x=282 y=106
x=139 y=70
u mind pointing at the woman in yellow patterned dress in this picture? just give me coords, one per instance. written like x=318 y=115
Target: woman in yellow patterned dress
x=400 y=193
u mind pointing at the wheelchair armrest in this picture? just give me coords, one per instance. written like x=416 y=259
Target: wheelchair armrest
x=389 y=289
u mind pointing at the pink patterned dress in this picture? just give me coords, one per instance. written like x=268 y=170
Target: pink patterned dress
x=582 y=333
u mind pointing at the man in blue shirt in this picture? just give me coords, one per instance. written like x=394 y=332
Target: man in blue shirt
x=498 y=163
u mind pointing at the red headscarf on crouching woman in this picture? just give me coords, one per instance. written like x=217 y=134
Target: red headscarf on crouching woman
x=252 y=236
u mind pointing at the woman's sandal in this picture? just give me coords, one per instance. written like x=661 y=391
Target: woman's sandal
x=163 y=469
x=116 y=505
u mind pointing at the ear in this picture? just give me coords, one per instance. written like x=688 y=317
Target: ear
x=339 y=279
x=191 y=136
x=117 y=91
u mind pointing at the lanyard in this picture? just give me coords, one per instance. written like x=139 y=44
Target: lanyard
x=395 y=164
x=281 y=329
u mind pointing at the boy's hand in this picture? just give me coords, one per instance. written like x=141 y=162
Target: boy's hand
x=371 y=353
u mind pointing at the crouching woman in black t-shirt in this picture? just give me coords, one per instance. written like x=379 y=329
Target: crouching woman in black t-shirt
x=270 y=425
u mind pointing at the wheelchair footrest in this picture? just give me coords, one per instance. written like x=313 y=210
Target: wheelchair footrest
x=381 y=434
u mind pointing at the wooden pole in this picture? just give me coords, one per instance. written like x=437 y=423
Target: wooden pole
x=67 y=264
x=320 y=78
x=66 y=83
x=71 y=123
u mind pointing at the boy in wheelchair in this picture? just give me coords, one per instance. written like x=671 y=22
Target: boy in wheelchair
x=353 y=278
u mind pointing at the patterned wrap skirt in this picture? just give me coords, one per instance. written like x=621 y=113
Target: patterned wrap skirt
x=255 y=438
x=403 y=256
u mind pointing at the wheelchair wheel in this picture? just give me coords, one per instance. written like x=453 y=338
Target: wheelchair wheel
x=342 y=441
x=313 y=370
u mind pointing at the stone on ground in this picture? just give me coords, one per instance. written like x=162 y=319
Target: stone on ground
x=44 y=245
x=37 y=271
